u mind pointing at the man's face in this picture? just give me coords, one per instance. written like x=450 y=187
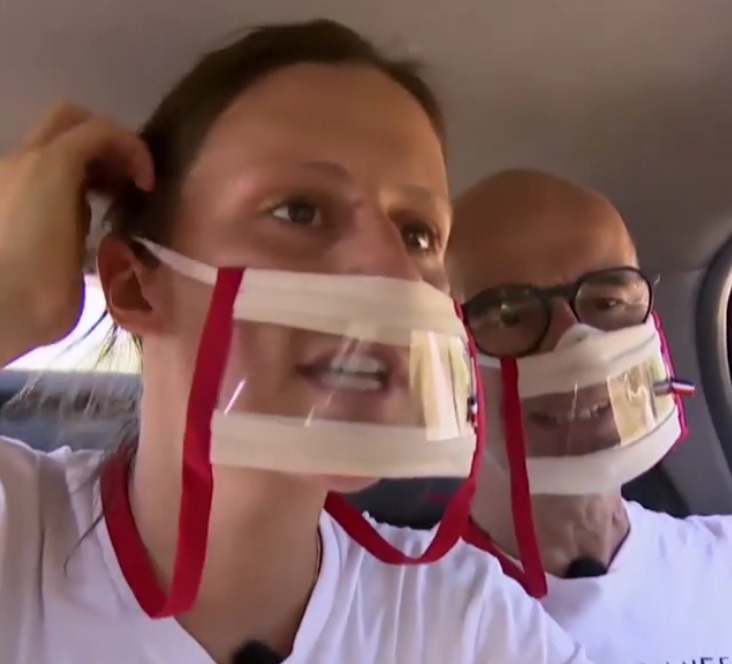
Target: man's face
x=534 y=256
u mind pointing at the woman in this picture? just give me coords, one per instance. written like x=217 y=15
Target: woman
x=297 y=148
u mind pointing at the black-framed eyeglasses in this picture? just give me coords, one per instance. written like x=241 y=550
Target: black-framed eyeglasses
x=512 y=320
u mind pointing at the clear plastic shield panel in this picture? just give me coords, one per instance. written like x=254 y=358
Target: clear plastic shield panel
x=614 y=412
x=583 y=437
x=373 y=401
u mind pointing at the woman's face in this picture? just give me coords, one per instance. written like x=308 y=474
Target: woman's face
x=325 y=169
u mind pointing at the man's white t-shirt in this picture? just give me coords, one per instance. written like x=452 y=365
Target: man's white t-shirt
x=64 y=600
x=666 y=599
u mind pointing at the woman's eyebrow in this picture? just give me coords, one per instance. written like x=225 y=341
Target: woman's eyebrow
x=415 y=191
x=425 y=196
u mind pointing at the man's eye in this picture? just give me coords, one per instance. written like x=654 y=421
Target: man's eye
x=607 y=303
x=420 y=238
x=507 y=316
x=302 y=213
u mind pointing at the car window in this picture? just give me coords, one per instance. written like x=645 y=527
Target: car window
x=82 y=349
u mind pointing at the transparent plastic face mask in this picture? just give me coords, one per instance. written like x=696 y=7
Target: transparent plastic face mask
x=613 y=412
x=590 y=415
x=370 y=403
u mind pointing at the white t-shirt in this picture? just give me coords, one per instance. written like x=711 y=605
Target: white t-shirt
x=65 y=605
x=666 y=599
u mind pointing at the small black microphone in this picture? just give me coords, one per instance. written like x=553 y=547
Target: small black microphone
x=256 y=652
x=585 y=567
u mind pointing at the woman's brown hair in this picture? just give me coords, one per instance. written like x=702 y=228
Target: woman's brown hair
x=179 y=125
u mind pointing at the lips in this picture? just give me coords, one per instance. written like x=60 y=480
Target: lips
x=576 y=423
x=364 y=383
x=583 y=405
x=562 y=417
x=357 y=372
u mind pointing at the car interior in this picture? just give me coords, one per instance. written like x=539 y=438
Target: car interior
x=632 y=98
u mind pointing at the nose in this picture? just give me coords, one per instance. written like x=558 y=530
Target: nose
x=562 y=318
x=374 y=246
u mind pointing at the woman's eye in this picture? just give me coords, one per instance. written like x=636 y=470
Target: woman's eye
x=420 y=238
x=302 y=213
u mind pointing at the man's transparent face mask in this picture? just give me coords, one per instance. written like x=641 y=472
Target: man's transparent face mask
x=588 y=419
x=344 y=379
x=596 y=411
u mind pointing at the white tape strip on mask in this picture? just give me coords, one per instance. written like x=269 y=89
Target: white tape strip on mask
x=368 y=308
x=605 y=470
x=329 y=447
x=589 y=362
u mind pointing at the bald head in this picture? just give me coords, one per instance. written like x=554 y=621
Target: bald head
x=524 y=226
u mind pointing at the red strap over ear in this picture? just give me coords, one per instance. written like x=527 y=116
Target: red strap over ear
x=196 y=481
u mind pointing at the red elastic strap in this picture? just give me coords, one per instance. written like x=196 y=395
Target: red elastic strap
x=677 y=397
x=531 y=576
x=475 y=536
x=454 y=522
x=451 y=527
x=197 y=476
x=523 y=517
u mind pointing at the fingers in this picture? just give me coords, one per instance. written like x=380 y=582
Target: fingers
x=97 y=146
x=61 y=118
x=102 y=153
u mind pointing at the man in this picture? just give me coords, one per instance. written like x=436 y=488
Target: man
x=549 y=278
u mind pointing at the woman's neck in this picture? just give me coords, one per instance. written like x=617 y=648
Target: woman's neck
x=262 y=555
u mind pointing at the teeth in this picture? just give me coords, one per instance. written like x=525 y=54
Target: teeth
x=354 y=372
x=358 y=364
x=341 y=380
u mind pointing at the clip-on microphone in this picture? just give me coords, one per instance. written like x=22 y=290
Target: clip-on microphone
x=585 y=567
x=256 y=652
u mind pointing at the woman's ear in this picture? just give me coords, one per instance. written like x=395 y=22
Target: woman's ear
x=132 y=290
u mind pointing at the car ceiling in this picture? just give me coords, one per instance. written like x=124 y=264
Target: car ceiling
x=632 y=97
